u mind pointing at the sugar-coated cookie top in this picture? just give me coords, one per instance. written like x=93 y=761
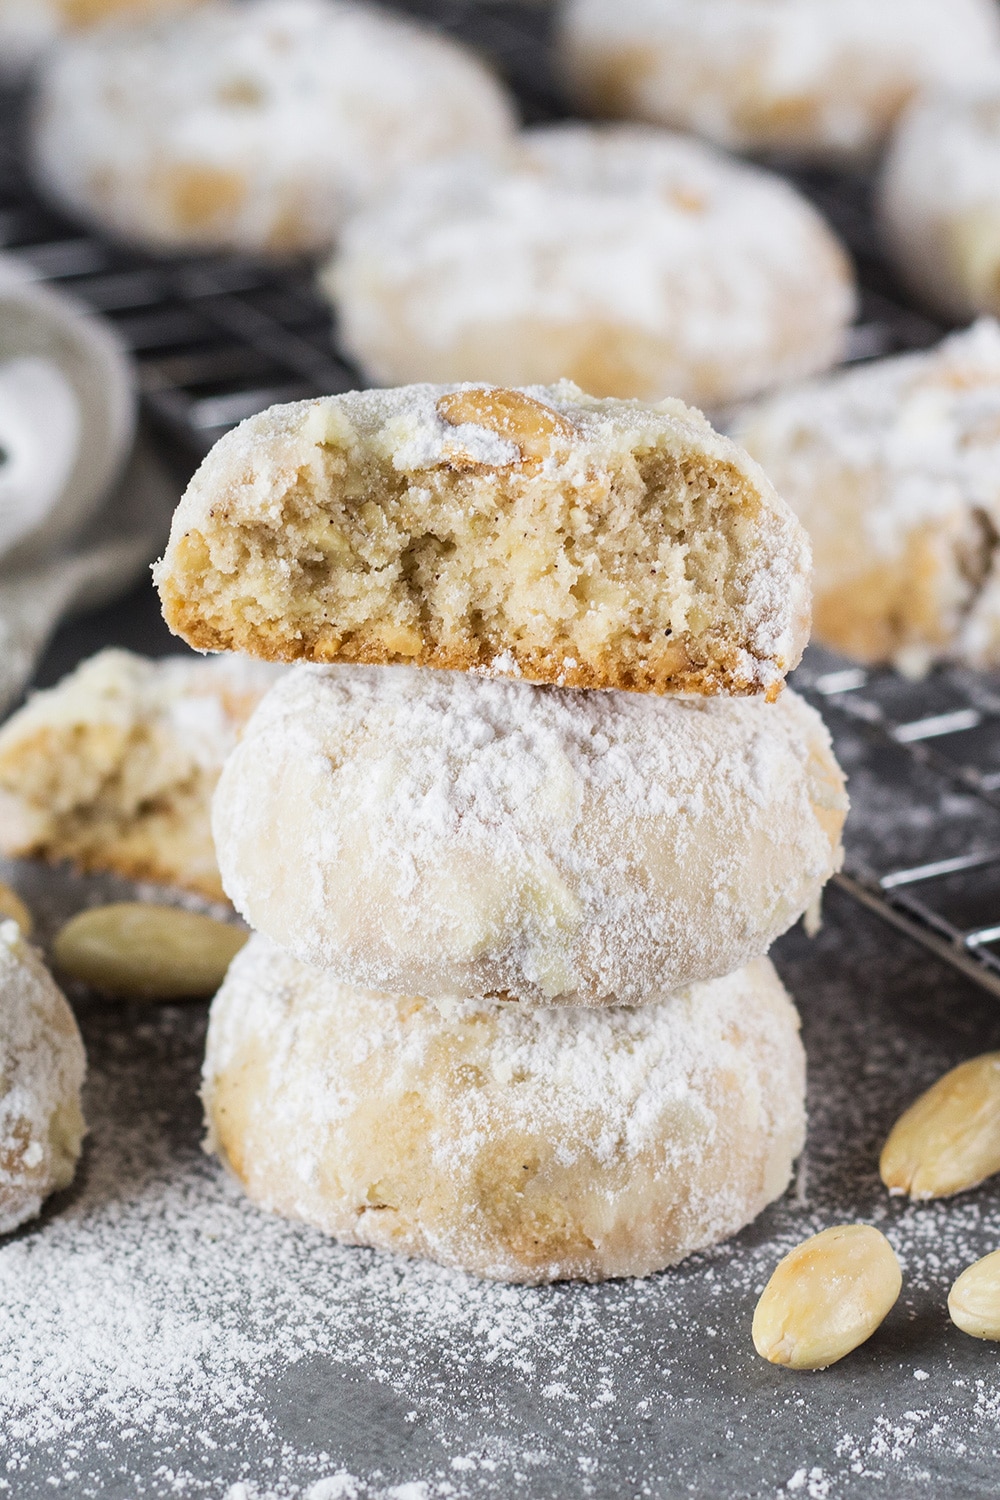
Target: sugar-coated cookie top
x=642 y=226
x=566 y=430
x=947 y=147
x=806 y=37
x=928 y=424
x=27 y=27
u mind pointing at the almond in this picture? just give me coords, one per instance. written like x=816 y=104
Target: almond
x=974 y=1300
x=826 y=1297
x=142 y=951
x=949 y=1139
x=534 y=428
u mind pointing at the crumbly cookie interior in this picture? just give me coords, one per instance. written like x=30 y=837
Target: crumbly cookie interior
x=102 y=799
x=114 y=767
x=634 y=575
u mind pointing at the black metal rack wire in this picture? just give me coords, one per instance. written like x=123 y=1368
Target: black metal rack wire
x=216 y=339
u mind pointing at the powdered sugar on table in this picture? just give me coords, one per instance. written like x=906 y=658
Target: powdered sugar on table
x=159 y=1336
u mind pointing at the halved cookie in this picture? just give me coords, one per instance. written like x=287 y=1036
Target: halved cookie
x=537 y=533
x=114 y=768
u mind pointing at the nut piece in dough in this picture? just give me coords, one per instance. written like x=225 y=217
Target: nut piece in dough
x=147 y=952
x=636 y=262
x=816 y=80
x=948 y=1140
x=260 y=126
x=894 y=470
x=522 y=1145
x=42 y=1065
x=114 y=768
x=437 y=833
x=541 y=534
x=826 y=1297
x=974 y=1300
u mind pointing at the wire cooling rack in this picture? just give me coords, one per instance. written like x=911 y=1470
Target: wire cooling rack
x=216 y=339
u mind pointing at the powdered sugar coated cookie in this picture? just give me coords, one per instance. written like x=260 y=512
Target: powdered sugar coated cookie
x=634 y=262
x=114 y=767
x=258 y=126
x=894 y=468
x=939 y=199
x=535 y=533
x=434 y=833
x=28 y=27
x=523 y=1145
x=816 y=79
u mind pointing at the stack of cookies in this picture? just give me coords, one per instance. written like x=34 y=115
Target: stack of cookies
x=508 y=1004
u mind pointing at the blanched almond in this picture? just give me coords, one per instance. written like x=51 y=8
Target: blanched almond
x=530 y=425
x=974 y=1300
x=949 y=1140
x=826 y=1297
x=147 y=952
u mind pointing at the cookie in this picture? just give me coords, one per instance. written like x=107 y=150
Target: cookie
x=114 y=768
x=894 y=468
x=536 y=533
x=938 y=200
x=522 y=1145
x=434 y=833
x=42 y=1065
x=258 y=126
x=635 y=262
x=818 y=80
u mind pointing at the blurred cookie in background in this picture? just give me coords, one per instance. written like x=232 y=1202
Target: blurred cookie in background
x=939 y=199
x=636 y=262
x=29 y=27
x=258 y=126
x=894 y=469
x=813 y=79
